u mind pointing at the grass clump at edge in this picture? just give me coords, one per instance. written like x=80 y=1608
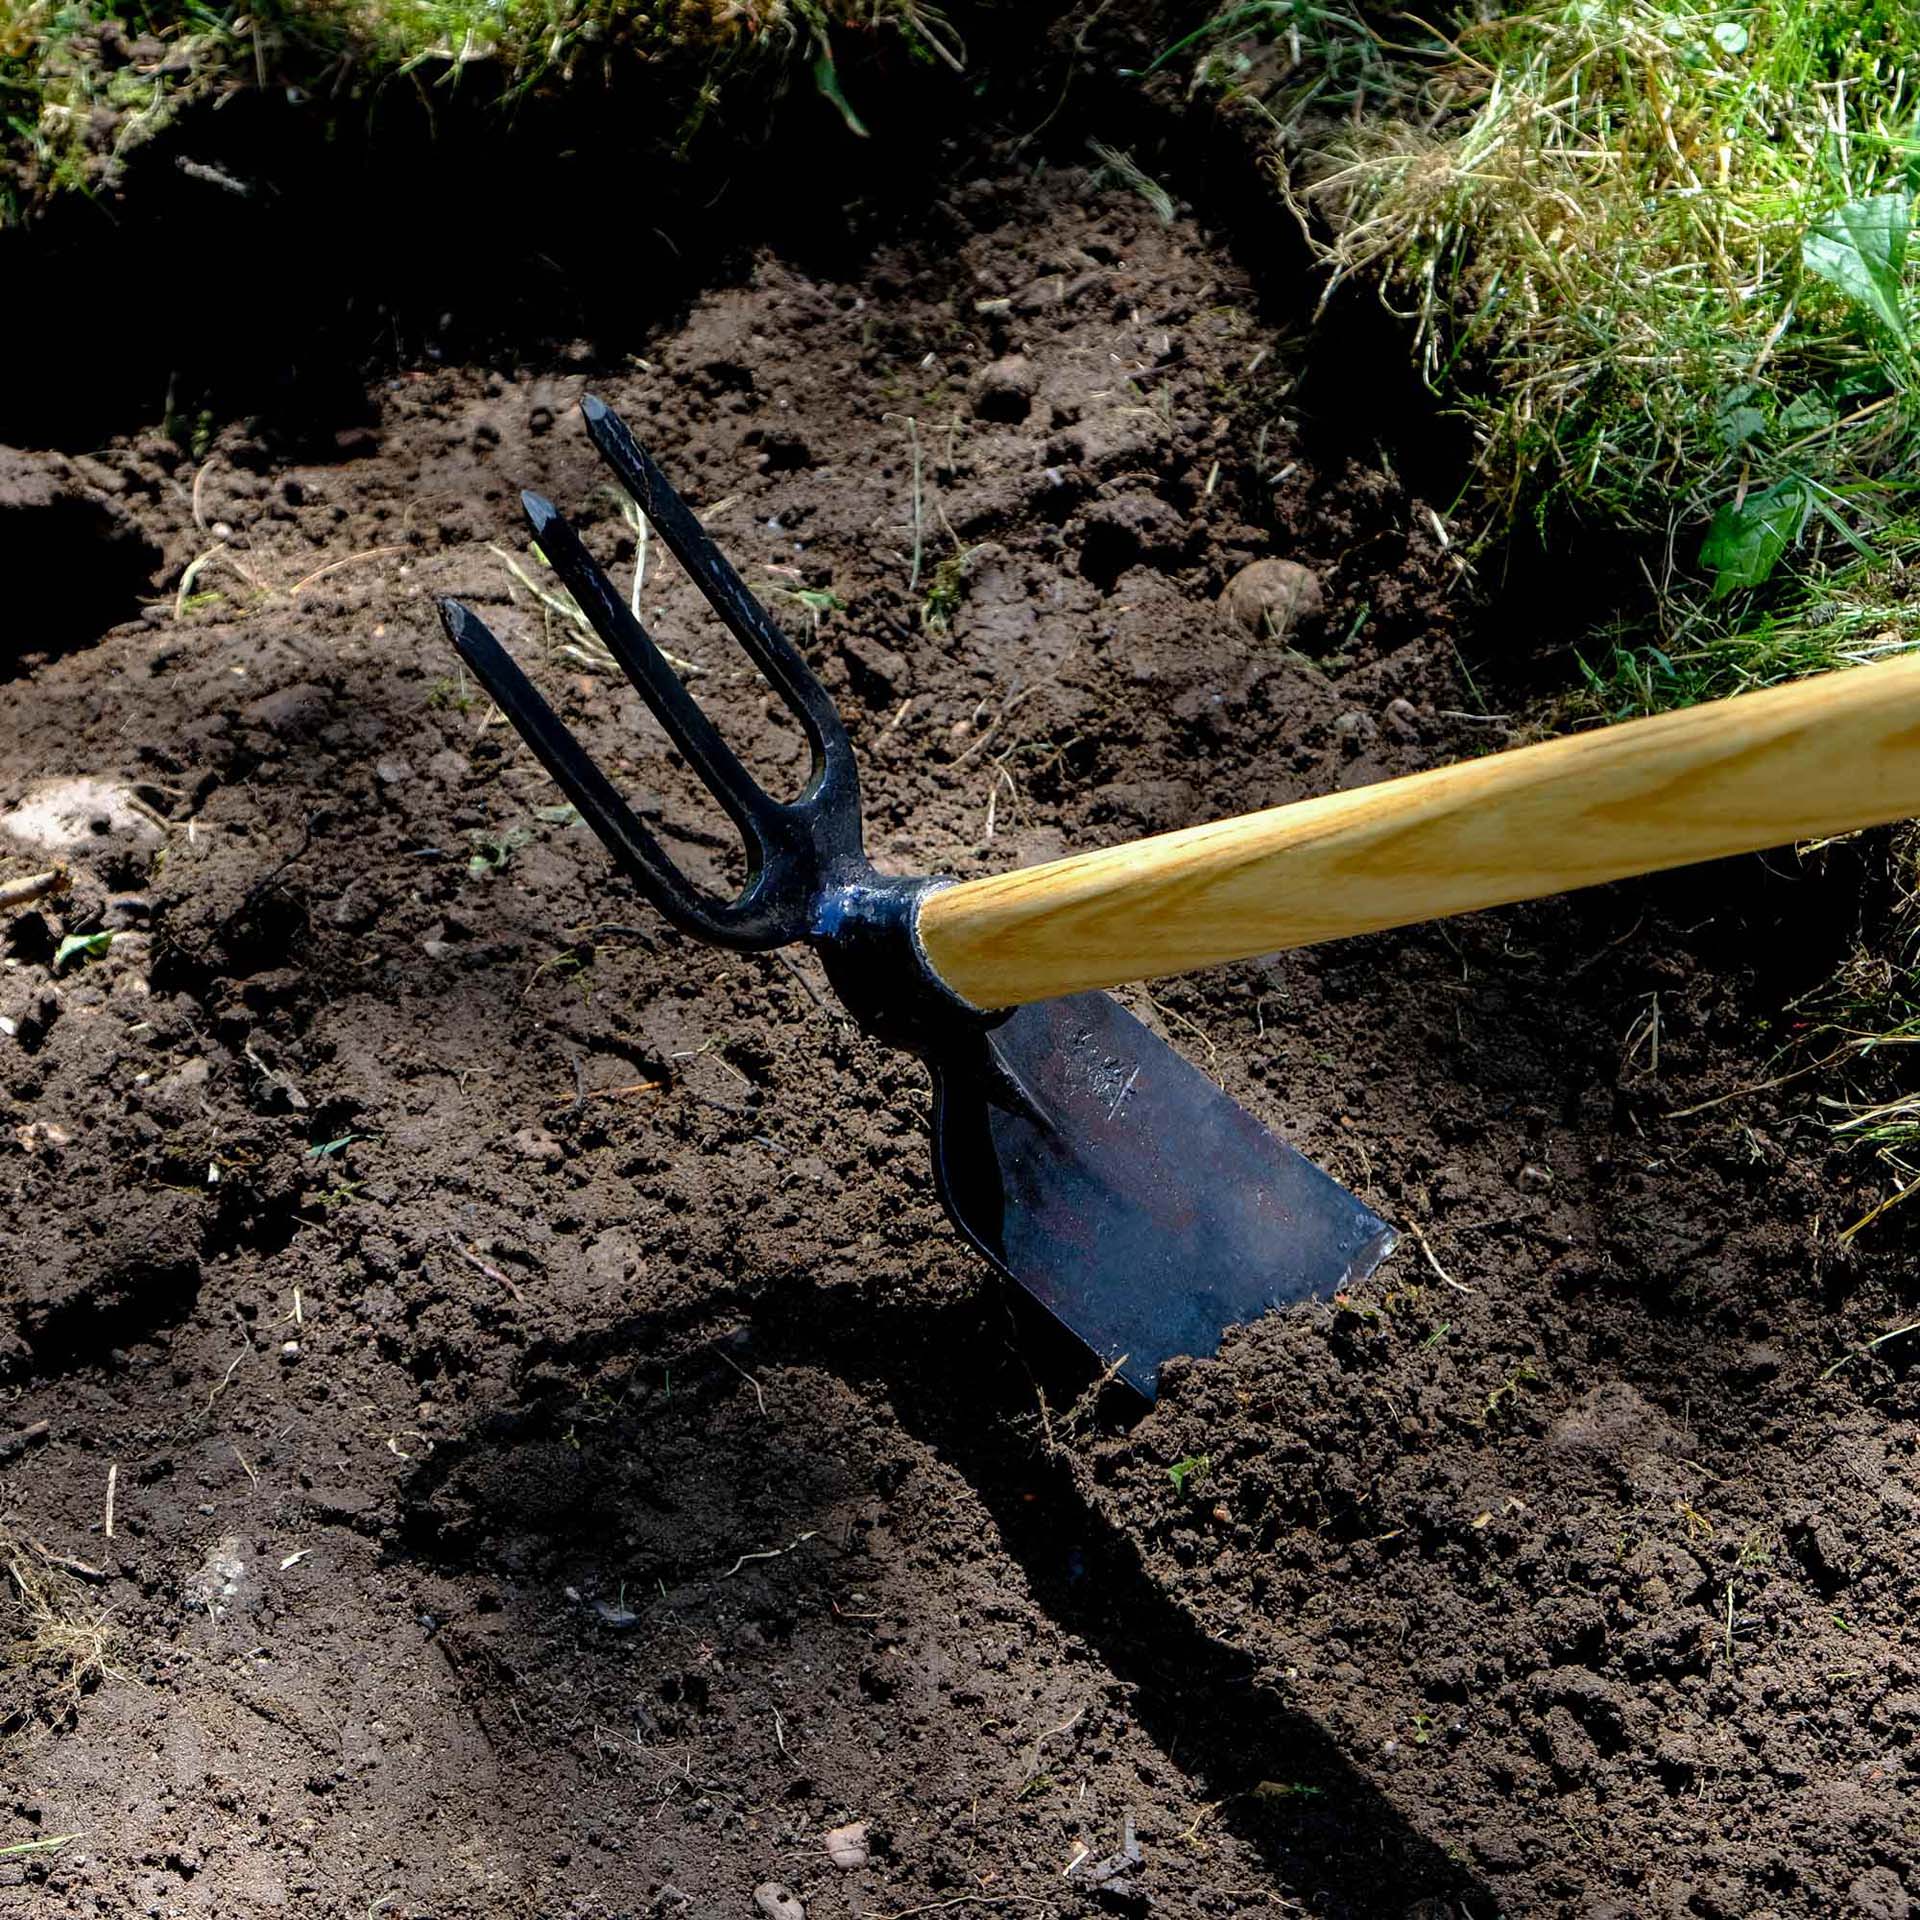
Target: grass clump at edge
x=1656 y=256
x=84 y=83
x=56 y=1642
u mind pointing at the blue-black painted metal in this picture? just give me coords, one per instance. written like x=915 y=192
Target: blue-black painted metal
x=1126 y=1193
x=1111 y=1180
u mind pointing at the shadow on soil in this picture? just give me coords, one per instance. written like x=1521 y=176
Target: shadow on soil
x=1281 y=1782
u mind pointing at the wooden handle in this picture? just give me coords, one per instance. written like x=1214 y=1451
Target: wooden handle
x=1823 y=756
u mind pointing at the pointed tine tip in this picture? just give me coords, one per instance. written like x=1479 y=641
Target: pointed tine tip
x=605 y=428
x=601 y=420
x=540 y=511
x=465 y=628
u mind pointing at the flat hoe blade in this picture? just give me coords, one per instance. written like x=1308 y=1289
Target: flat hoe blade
x=1127 y=1194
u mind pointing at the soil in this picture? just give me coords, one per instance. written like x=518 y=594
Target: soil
x=559 y=1459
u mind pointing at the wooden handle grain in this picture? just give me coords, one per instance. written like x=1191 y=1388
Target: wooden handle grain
x=1823 y=756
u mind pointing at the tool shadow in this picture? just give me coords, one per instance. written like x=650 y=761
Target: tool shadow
x=1272 y=1776
x=1341 y=1843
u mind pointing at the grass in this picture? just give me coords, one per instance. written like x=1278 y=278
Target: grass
x=1655 y=255
x=51 y=1844
x=1870 y=1017
x=84 y=83
x=56 y=1641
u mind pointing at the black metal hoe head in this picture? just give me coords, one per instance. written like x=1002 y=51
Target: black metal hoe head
x=1109 y=1179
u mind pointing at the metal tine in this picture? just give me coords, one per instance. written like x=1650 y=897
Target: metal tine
x=748 y=621
x=689 y=907
x=746 y=802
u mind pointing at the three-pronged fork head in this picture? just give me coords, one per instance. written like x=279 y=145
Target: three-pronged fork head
x=797 y=851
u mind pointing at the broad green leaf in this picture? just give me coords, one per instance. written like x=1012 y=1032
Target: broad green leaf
x=492 y=851
x=1739 y=424
x=1805 y=413
x=1189 y=1472
x=1861 y=248
x=1747 y=537
x=89 y=945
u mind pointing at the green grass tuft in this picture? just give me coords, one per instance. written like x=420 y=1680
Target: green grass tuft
x=83 y=83
x=1657 y=256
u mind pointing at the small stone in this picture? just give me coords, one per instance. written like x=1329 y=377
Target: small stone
x=1823 y=1547
x=297 y=712
x=1127 y=531
x=1879 y=1895
x=354 y=910
x=289 y=1352
x=1111 y=1874
x=616 y=1619
x=873 y=661
x=782 y=453
x=537 y=1144
x=1533 y=1178
x=847 y=1846
x=67 y=816
x=1276 y=599
x=392 y=771
x=217 y=1579
x=1004 y=390
x=777 y=1903
x=1403 y=719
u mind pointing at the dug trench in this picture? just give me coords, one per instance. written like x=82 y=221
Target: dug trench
x=562 y=1462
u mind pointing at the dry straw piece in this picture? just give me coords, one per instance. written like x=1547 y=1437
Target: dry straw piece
x=57 y=1639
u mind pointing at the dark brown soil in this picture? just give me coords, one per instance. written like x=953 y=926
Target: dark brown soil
x=562 y=1461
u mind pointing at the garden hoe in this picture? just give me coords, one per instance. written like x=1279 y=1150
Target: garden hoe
x=1084 y=1157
